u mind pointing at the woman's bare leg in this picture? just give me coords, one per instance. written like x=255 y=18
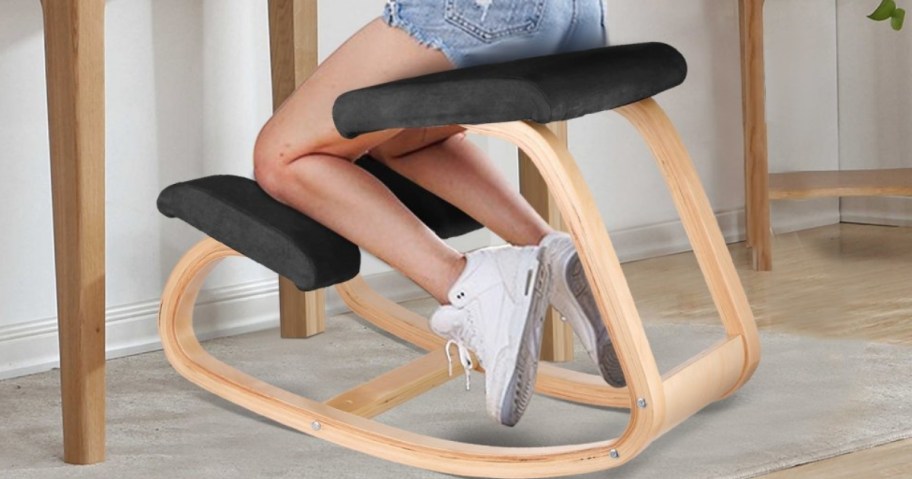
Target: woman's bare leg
x=447 y=164
x=302 y=161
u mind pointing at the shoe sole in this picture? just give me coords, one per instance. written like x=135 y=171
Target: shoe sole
x=522 y=383
x=606 y=357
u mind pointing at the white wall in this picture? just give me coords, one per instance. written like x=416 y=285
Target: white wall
x=801 y=92
x=875 y=107
x=187 y=84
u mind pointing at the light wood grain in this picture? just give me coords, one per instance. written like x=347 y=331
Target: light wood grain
x=838 y=281
x=701 y=227
x=188 y=357
x=818 y=184
x=892 y=461
x=301 y=314
x=74 y=57
x=756 y=161
x=557 y=340
x=602 y=267
x=397 y=386
x=552 y=380
x=656 y=403
x=292 y=45
x=760 y=186
x=293 y=56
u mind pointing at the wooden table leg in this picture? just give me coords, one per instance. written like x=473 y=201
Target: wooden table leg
x=74 y=55
x=756 y=167
x=293 y=49
x=557 y=341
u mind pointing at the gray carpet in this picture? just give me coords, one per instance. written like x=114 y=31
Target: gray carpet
x=810 y=399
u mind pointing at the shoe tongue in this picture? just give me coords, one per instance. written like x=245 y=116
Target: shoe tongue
x=447 y=322
x=554 y=237
x=547 y=238
x=454 y=323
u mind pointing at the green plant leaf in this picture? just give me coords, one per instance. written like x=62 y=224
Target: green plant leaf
x=884 y=11
x=899 y=16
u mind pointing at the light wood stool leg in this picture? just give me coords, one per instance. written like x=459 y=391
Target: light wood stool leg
x=293 y=49
x=557 y=340
x=756 y=161
x=74 y=56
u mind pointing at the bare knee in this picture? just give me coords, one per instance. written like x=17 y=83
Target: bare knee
x=284 y=169
x=272 y=160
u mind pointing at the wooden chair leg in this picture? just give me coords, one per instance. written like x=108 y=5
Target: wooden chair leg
x=74 y=53
x=293 y=53
x=301 y=314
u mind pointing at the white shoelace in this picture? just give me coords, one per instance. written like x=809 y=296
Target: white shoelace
x=464 y=358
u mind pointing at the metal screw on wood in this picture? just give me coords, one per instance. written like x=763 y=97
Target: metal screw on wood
x=641 y=403
x=316 y=425
x=614 y=453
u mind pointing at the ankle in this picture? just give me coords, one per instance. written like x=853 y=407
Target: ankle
x=542 y=234
x=548 y=232
x=453 y=271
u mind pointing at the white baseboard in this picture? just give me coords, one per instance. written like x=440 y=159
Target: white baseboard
x=789 y=216
x=669 y=237
x=31 y=347
x=890 y=211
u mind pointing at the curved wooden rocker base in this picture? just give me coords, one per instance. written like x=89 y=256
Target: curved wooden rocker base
x=656 y=403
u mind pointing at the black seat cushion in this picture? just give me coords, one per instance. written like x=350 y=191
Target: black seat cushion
x=543 y=89
x=237 y=212
x=441 y=217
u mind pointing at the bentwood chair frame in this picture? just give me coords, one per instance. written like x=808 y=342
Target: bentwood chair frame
x=657 y=403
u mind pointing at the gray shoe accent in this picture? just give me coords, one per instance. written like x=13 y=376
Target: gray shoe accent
x=522 y=384
x=608 y=362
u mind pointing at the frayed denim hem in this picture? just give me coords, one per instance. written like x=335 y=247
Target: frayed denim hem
x=392 y=18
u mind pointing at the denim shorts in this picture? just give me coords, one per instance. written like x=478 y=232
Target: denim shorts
x=474 y=32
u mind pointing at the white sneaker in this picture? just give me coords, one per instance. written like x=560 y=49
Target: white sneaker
x=497 y=311
x=572 y=298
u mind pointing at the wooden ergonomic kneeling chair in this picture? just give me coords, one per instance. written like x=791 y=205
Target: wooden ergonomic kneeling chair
x=510 y=100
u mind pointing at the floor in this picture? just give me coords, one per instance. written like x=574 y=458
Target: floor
x=838 y=281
